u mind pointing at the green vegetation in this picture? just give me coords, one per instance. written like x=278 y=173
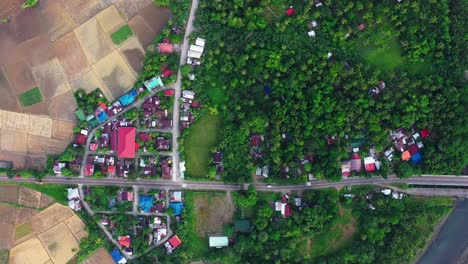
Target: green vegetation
x=4 y=256
x=277 y=79
x=201 y=138
x=99 y=196
x=23 y=230
x=5 y=20
x=29 y=3
x=95 y=239
x=121 y=35
x=56 y=191
x=31 y=97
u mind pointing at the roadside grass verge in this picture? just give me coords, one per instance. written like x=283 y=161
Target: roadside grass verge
x=202 y=136
x=121 y=35
x=31 y=97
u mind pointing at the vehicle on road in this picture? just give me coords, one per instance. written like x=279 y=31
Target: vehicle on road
x=68 y=179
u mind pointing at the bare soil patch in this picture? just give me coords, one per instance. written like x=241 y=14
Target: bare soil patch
x=93 y=40
x=46 y=200
x=41 y=108
x=13 y=141
x=20 y=76
x=50 y=217
x=29 y=252
x=6 y=235
x=27 y=24
x=71 y=56
x=110 y=19
x=8 y=99
x=24 y=214
x=15 y=121
x=62 y=130
x=115 y=74
x=101 y=256
x=35 y=161
x=88 y=82
x=9 y=193
x=9 y=7
x=61 y=106
x=35 y=51
x=18 y=159
x=51 y=79
x=134 y=54
x=129 y=9
x=55 y=19
x=155 y=17
x=212 y=212
x=59 y=242
x=40 y=126
x=142 y=31
x=7 y=213
x=82 y=10
x=40 y=145
x=77 y=227
x=8 y=41
x=29 y=197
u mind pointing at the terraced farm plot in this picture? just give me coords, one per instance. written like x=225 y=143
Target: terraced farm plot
x=121 y=35
x=31 y=97
x=23 y=230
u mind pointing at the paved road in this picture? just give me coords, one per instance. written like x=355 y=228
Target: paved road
x=177 y=87
x=195 y=185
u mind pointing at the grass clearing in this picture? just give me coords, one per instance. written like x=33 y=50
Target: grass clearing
x=31 y=97
x=216 y=95
x=198 y=244
x=213 y=210
x=23 y=230
x=121 y=35
x=56 y=191
x=202 y=136
x=386 y=58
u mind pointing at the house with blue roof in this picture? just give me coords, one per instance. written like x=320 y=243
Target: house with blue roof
x=146 y=202
x=126 y=99
x=177 y=208
x=118 y=257
x=153 y=83
x=102 y=117
x=417 y=158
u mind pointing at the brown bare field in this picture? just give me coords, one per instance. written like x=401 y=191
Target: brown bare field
x=41 y=108
x=9 y=193
x=71 y=56
x=7 y=213
x=9 y=7
x=88 y=82
x=93 y=40
x=82 y=10
x=134 y=54
x=51 y=79
x=213 y=210
x=29 y=252
x=129 y=9
x=13 y=141
x=56 y=20
x=46 y=200
x=115 y=74
x=29 y=197
x=59 y=242
x=20 y=76
x=101 y=256
x=18 y=159
x=142 y=31
x=40 y=126
x=27 y=24
x=6 y=235
x=40 y=145
x=50 y=217
x=23 y=214
x=60 y=107
x=35 y=51
x=156 y=18
x=15 y=121
x=34 y=161
x=110 y=19
x=62 y=130
x=77 y=227
x=8 y=99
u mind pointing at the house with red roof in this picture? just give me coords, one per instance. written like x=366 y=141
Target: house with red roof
x=425 y=133
x=356 y=162
x=162 y=143
x=169 y=92
x=166 y=169
x=111 y=170
x=145 y=137
x=173 y=243
x=166 y=48
x=290 y=11
x=124 y=241
x=167 y=72
x=346 y=168
x=89 y=169
x=80 y=139
x=126 y=142
x=369 y=164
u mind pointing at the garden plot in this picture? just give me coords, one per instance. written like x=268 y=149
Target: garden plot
x=115 y=74
x=50 y=217
x=134 y=54
x=71 y=56
x=30 y=97
x=23 y=231
x=41 y=145
x=51 y=79
x=15 y=121
x=93 y=40
x=55 y=18
x=8 y=99
x=61 y=106
x=62 y=130
x=40 y=126
x=59 y=242
x=13 y=141
x=30 y=252
x=29 y=197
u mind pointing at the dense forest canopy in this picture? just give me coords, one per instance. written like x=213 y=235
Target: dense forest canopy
x=266 y=75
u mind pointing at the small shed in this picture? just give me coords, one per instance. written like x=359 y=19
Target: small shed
x=218 y=241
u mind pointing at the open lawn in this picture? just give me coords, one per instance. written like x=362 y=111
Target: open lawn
x=121 y=35
x=386 y=58
x=31 y=97
x=23 y=230
x=339 y=234
x=202 y=136
x=56 y=191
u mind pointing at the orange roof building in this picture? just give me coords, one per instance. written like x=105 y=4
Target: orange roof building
x=406 y=156
x=166 y=48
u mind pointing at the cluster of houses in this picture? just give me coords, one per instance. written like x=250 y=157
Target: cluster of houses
x=122 y=196
x=283 y=206
x=196 y=51
x=408 y=144
x=105 y=163
x=153 y=203
x=187 y=103
x=369 y=196
x=354 y=164
x=176 y=203
x=153 y=115
x=74 y=199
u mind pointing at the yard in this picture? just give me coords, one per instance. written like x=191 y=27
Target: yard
x=31 y=97
x=202 y=137
x=121 y=35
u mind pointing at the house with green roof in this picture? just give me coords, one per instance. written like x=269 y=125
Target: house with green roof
x=80 y=114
